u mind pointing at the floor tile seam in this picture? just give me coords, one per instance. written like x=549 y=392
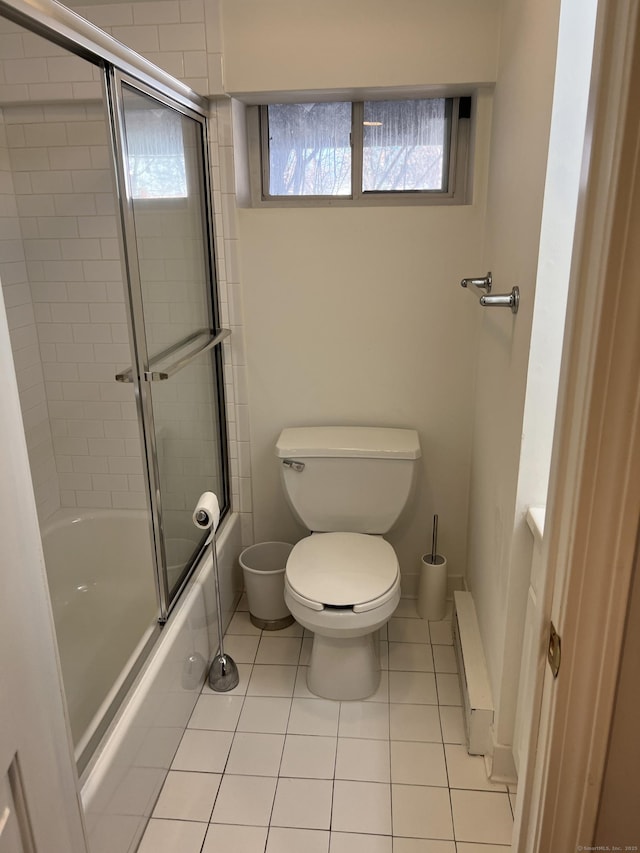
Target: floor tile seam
x=211 y=825
x=226 y=762
x=359 y=832
x=390 y=778
x=175 y=752
x=419 y=704
x=304 y=734
x=448 y=786
x=178 y=819
x=286 y=730
x=235 y=729
x=284 y=743
x=425 y=838
x=242 y=634
x=295 y=779
x=364 y=737
x=222 y=775
x=333 y=788
x=432 y=671
x=446 y=768
x=470 y=840
x=417 y=742
x=472 y=788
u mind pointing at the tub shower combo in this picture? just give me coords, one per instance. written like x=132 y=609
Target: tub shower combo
x=110 y=284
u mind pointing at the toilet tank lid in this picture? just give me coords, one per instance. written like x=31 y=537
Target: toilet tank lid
x=331 y=441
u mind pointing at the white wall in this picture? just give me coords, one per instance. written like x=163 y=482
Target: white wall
x=286 y=45
x=519 y=144
x=356 y=316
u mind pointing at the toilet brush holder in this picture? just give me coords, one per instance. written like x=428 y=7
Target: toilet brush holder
x=432 y=587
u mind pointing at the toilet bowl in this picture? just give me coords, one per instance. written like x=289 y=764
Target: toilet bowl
x=348 y=485
x=343 y=587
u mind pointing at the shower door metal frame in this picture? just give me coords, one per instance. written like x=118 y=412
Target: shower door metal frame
x=141 y=371
x=64 y=27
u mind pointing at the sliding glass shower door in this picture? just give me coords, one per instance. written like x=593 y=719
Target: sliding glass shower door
x=167 y=228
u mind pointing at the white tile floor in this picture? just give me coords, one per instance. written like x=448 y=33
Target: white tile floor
x=270 y=768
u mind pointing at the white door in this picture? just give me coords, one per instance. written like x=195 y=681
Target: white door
x=39 y=805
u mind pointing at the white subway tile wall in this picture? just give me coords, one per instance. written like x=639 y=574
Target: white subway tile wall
x=64 y=211
x=182 y=38
x=24 y=341
x=77 y=292
x=222 y=159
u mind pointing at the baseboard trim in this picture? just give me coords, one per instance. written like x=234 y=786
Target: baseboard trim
x=501 y=766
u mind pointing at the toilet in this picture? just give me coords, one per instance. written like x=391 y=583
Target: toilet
x=348 y=486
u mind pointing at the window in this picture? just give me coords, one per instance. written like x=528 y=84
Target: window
x=390 y=151
x=156 y=154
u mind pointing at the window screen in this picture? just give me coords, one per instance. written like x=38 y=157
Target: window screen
x=309 y=149
x=405 y=145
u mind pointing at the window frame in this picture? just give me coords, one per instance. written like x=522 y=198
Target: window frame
x=457 y=163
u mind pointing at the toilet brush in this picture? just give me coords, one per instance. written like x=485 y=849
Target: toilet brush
x=434 y=540
x=223 y=672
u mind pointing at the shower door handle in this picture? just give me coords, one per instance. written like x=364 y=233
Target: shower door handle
x=168 y=372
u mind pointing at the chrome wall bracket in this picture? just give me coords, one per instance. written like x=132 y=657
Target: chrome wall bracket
x=478 y=283
x=496 y=300
x=503 y=300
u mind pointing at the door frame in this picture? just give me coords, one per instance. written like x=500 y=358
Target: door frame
x=592 y=514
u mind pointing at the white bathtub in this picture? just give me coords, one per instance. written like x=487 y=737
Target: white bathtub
x=121 y=785
x=103 y=596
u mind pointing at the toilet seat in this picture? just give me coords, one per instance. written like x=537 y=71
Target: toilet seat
x=342 y=570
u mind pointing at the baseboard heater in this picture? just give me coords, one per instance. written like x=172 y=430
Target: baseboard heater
x=474 y=679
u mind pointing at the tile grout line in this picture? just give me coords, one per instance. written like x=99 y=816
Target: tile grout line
x=224 y=769
x=284 y=741
x=299 y=667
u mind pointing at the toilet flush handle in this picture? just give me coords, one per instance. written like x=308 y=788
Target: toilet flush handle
x=294 y=464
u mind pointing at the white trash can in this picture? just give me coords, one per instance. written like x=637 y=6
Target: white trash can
x=263 y=568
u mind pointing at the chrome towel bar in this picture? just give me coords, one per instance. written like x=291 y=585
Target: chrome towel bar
x=160 y=375
x=496 y=300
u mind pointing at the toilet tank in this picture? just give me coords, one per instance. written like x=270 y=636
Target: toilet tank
x=353 y=479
